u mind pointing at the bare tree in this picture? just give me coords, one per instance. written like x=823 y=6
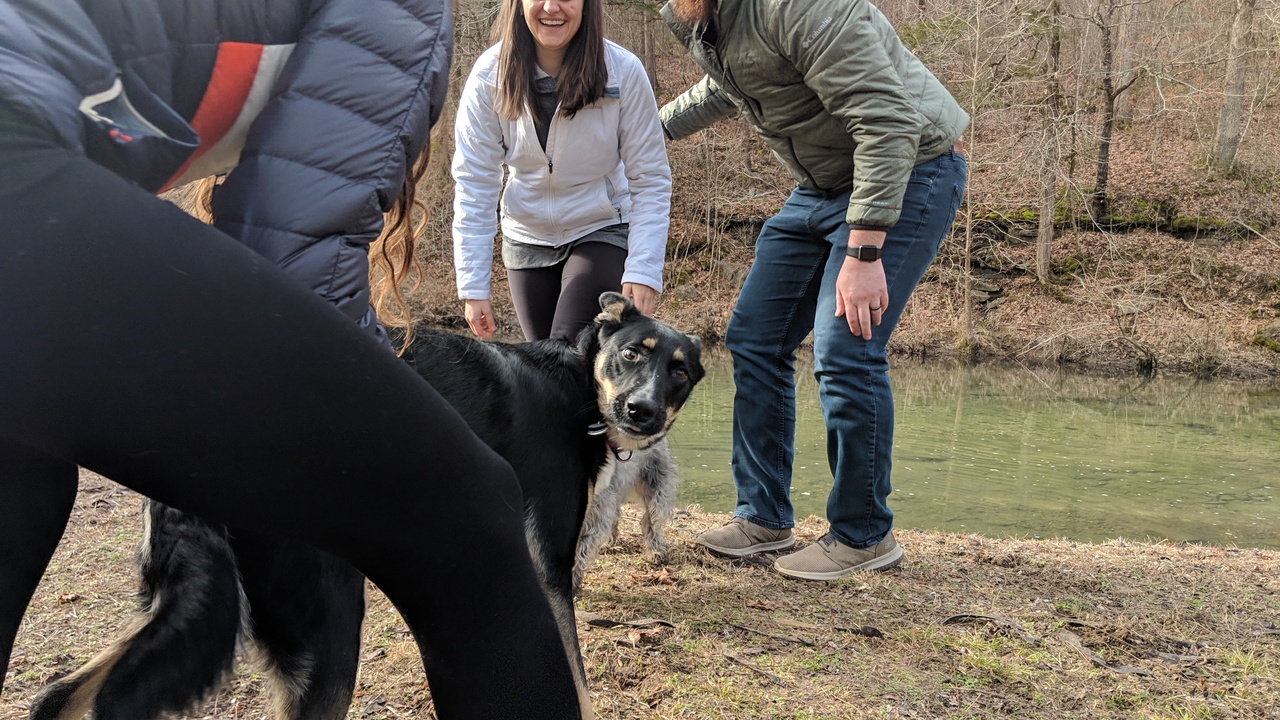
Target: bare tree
x=1052 y=118
x=1112 y=86
x=1227 y=140
x=1129 y=58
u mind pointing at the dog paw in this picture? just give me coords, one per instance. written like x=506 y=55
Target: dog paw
x=657 y=557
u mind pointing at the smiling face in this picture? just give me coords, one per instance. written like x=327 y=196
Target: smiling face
x=553 y=24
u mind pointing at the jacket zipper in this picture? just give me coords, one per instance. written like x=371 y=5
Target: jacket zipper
x=551 y=166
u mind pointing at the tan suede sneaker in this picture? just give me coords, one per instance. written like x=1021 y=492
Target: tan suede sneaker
x=740 y=538
x=829 y=559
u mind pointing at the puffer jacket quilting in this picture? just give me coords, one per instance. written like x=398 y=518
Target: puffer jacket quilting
x=336 y=99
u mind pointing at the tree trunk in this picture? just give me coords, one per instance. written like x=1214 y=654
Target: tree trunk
x=1227 y=139
x=648 y=55
x=1099 y=204
x=1050 y=158
x=1127 y=58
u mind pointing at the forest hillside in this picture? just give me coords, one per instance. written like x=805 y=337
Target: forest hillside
x=1122 y=204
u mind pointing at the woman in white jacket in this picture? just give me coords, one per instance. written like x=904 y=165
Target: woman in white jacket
x=572 y=118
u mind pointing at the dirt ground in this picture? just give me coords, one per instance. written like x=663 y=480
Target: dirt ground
x=967 y=627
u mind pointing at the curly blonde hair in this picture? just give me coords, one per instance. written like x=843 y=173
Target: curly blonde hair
x=393 y=260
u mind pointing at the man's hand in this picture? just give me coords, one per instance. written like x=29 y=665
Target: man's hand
x=861 y=292
x=479 y=315
x=643 y=297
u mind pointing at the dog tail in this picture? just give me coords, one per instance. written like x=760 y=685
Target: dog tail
x=181 y=644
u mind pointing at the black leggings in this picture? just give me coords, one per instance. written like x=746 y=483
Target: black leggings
x=150 y=348
x=560 y=300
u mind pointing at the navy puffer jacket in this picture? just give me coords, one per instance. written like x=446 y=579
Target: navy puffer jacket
x=316 y=107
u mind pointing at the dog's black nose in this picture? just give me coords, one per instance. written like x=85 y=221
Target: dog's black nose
x=640 y=411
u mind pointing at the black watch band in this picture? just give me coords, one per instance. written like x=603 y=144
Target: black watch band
x=865 y=253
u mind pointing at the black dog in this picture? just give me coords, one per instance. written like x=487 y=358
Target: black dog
x=560 y=413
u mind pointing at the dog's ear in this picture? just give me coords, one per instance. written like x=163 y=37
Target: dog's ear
x=695 y=358
x=613 y=308
x=588 y=340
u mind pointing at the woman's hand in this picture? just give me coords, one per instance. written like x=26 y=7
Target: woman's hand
x=479 y=315
x=643 y=297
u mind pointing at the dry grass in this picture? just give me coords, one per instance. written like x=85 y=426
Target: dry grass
x=968 y=627
x=1193 y=306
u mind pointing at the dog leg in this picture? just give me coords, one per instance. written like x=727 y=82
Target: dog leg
x=656 y=486
x=306 y=610
x=182 y=644
x=36 y=495
x=612 y=485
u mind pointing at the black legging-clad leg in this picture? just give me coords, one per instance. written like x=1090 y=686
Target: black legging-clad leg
x=145 y=346
x=558 y=301
x=36 y=494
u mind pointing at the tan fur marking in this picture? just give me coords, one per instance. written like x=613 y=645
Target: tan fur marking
x=90 y=677
x=285 y=689
x=650 y=343
x=608 y=391
x=612 y=313
x=678 y=355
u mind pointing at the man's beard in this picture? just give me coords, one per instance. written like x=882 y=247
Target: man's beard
x=694 y=12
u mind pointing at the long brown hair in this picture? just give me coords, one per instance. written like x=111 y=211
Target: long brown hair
x=582 y=75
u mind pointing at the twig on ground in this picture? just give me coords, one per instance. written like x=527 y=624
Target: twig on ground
x=734 y=657
x=1077 y=644
x=784 y=638
x=596 y=620
x=1252 y=229
x=1174 y=657
x=1187 y=305
x=999 y=622
x=864 y=630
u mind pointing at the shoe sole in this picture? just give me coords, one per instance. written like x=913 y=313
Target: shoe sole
x=880 y=563
x=750 y=549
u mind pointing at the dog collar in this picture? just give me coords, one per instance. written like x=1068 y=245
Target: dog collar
x=596 y=429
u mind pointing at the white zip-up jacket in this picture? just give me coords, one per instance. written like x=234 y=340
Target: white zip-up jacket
x=604 y=166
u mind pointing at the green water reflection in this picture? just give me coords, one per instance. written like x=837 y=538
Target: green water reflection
x=1016 y=452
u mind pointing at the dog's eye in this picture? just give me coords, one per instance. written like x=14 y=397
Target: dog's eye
x=681 y=374
x=630 y=354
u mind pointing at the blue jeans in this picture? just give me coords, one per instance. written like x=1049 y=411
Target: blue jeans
x=789 y=291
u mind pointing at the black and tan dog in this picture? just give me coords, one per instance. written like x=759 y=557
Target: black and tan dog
x=561 y=413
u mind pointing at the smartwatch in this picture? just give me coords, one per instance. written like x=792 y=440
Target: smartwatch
x=865 y=253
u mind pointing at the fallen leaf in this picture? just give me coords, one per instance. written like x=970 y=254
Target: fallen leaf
x=659 y=577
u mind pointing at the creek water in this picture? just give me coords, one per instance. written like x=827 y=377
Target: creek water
x=1013 y=452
